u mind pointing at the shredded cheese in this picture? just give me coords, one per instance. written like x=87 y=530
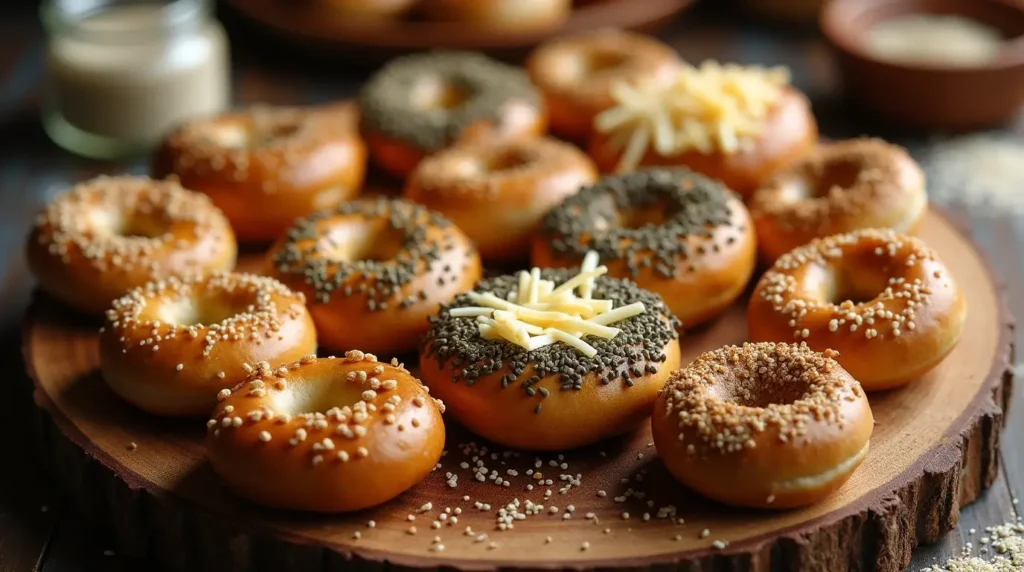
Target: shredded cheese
x=711 y=108
x=539 y=313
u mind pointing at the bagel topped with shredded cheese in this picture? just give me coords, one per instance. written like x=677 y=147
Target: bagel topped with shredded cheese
x=551 y=359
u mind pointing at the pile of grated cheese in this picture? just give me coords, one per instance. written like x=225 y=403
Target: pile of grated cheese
x=539 y=313
x=711 y=108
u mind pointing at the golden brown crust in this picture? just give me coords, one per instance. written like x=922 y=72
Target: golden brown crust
x=790 y=131
x=367 y=10
x=911 y=316
x=840 y=187
x=267 y=166
x=383 y=264
x=326 y=435
x=501 y=15
x=170 y=346
x=497 y=192
x=762 y=425
x=111 y=234
x=576 y=74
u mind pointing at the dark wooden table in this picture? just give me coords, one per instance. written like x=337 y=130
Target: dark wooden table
x=37 y=531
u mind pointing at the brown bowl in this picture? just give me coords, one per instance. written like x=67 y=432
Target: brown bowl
x=932 y=96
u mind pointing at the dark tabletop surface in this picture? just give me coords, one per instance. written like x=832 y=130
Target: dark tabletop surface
x=38 y=531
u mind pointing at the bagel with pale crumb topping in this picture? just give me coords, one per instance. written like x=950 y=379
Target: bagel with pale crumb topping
x=387 y=263
x=168 y=347
x=577 y=74
x=766 y=425
x=550 y=375
x=883 y=300
x=497 y=192
x=325 y=435
x=840 y=187
x=109 y=235
x=266 y=166
x=419 y=104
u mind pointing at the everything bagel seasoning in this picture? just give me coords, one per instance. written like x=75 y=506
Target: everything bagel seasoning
x=693 y=206
x=387 y=105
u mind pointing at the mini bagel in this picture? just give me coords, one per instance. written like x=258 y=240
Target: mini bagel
x=267 y=166
x=382 y=264
x=168 y=347
x=497 y=192
x=884 y=301
x=674 y=232
x=501 y=15
x=576 y=74
x=841 y=187
x=763 y=425
x=552 y=397
x=421 y=103
x=325 y=435
x=108 y=235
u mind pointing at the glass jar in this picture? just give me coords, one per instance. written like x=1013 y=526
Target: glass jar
x=122 y=73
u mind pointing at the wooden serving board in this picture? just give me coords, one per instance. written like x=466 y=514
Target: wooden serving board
x=935 y=448
x=310 y=23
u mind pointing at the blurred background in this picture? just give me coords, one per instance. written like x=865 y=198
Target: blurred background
x=950 y=92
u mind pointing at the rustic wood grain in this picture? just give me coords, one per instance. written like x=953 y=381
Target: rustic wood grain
x=934 y=450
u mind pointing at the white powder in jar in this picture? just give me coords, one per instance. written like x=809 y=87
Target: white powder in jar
x=945 y=40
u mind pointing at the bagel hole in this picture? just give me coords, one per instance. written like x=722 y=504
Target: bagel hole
x=653 y=215
x=856 y=287
x=137 y=225
x=601 y=61
x=841 y=174
x=188 y=311
x=369 y=240
x=263 y=131
x=758 y=391
x=506 y=160
x=317 y=397
x=436 y=94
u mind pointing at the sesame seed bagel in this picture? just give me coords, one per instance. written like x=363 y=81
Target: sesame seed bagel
x=108 y=235
x=884 y=301
x=840 y=187
x=325 y=435
x=762 y=425
x=505 y=16
x=421 y=103
x=576 y=74
x=674 y=232
x=553 y=397
x=788 y=132
x=168 y=347
x=373 y=270
x=498 y=191
x=266 y=166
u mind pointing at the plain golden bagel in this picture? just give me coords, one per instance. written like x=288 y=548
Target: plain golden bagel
x=883 y=300
x=325 y=435
x=553 y=397
x=109 y=235
x=576 y=74
x=767 y=425
x=419 y=104
x=788 y=133
x=498 y=192
x=367 y=11
x=168 y=347
x=673 y=232
x=266 y=166
x=373 y=270
x=840 y=187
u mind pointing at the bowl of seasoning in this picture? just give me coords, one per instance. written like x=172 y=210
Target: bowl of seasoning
x=932 y=64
